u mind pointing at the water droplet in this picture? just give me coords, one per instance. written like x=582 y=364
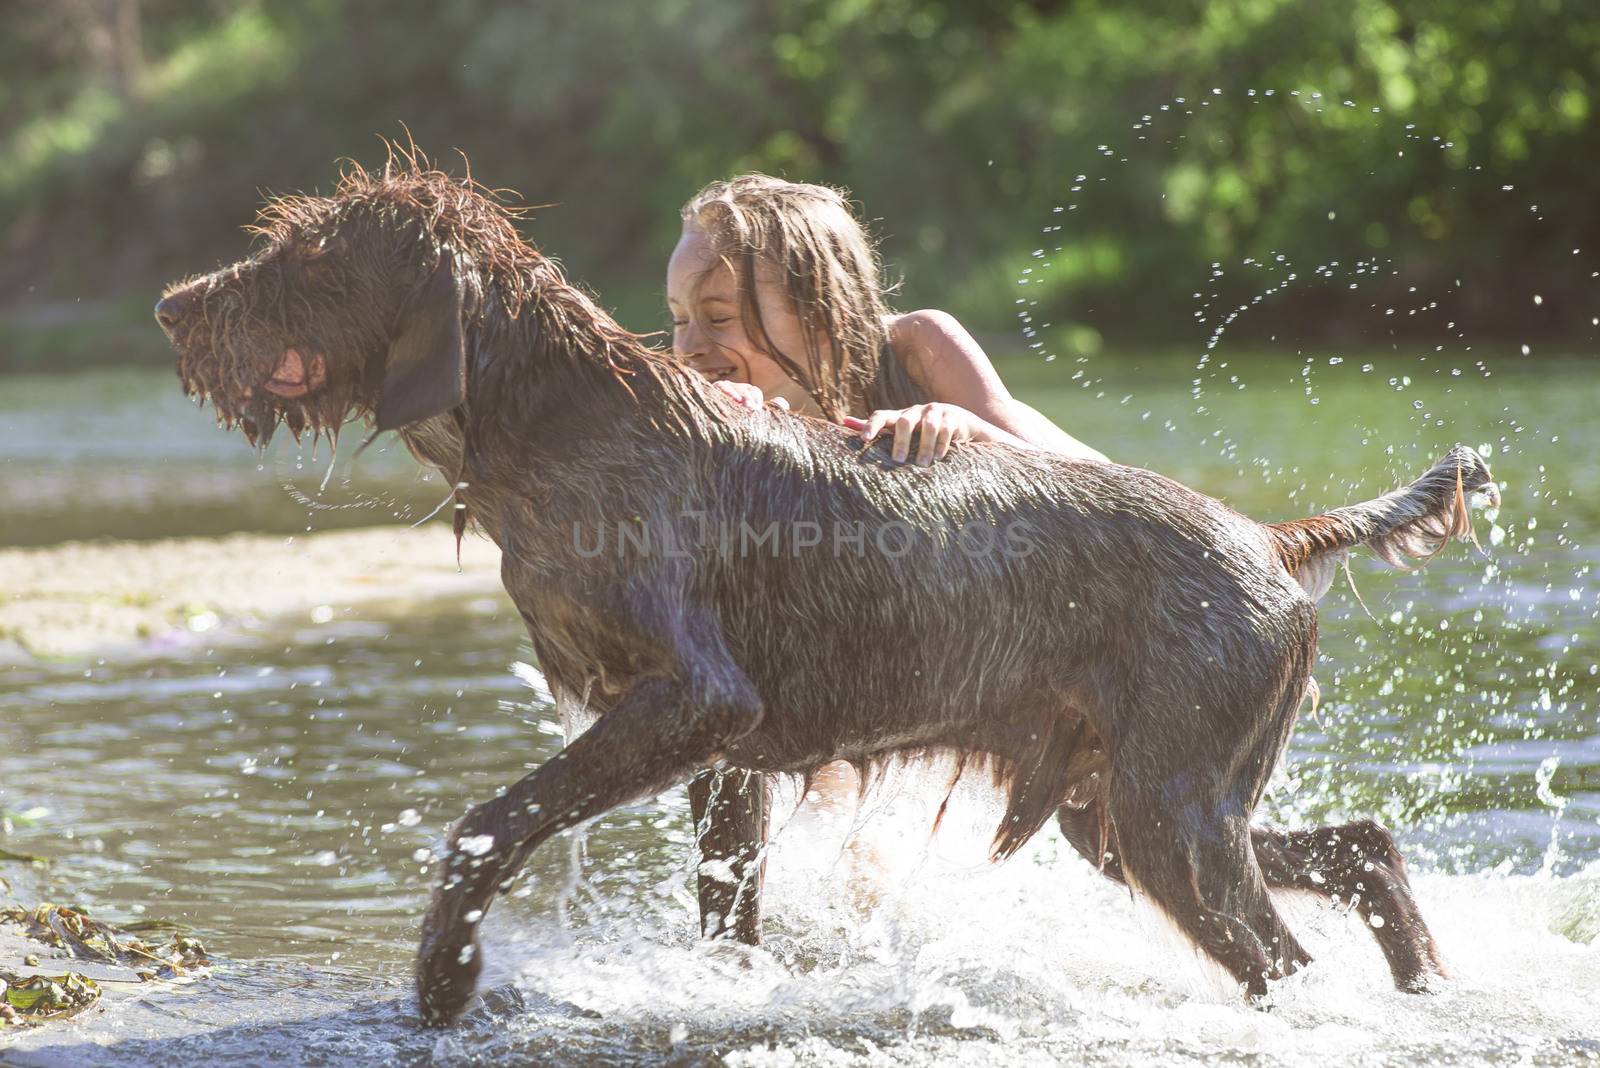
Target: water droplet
x=477 y=845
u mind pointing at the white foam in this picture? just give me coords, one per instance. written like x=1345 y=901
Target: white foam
x=1038 y=960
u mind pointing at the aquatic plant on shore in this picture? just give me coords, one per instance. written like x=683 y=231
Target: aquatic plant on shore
x=38 y=993
x=26 y=1000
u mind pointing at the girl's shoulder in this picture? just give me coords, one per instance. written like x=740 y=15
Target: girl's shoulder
x=923 y=326
x=931 y=343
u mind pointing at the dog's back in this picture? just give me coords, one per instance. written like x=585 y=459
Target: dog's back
x=941 y=583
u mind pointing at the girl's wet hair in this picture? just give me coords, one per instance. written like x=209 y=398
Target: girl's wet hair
x=819 y=252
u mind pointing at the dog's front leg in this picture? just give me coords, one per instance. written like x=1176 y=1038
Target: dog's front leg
x=730 y=829
x=657 y=735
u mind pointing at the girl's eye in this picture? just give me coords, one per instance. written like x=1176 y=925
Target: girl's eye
x=722 y=321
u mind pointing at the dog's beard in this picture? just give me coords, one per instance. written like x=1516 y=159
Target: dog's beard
x=237 y=386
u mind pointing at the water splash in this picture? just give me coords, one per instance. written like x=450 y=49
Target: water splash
x=1473 y=658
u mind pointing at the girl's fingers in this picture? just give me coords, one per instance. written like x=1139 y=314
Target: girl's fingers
x=932 y=426
x=904 y=427
x=875 y=424
x=746 y=394
x=935 y=429
x=947 y=434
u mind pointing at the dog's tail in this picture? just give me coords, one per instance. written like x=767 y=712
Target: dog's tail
x=1416 y=521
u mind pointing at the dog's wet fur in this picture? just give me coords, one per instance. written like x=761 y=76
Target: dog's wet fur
x=1126 y=655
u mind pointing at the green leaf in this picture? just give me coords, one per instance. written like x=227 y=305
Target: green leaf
x=48 y=997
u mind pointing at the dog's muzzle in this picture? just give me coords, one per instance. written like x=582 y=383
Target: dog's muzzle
x=173 y=309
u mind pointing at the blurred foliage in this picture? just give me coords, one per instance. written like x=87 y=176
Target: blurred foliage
x=136 y=137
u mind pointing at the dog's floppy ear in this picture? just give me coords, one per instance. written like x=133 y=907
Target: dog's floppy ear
x=426 y=370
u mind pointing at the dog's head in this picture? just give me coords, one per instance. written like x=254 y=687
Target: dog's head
x=352 y=304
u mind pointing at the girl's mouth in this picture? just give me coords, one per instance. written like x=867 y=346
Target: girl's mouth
x=712 y=367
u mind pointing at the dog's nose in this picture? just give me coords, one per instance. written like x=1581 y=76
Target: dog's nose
x=171 y=309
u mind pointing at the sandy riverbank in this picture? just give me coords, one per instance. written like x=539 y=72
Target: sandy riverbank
x=86 y=599
x=82 y=600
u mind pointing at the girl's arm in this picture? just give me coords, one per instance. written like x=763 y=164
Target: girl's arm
x=970 y=402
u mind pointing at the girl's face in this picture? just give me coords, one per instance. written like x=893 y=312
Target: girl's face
x=708 y=331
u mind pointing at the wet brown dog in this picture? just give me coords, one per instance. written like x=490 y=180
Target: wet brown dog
x=745 y=590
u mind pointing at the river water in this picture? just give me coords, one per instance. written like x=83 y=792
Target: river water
x=281 y=794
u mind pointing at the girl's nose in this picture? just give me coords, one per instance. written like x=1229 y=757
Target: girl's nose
x=690 y=341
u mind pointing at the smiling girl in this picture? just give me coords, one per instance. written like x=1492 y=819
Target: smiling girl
x=776 y=291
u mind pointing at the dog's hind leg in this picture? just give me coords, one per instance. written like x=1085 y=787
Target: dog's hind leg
x=1356 y=864
x=730 y=827
x=1359 y=865
x=658 y=734
x=1192 y=856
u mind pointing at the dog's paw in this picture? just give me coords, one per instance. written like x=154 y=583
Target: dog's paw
x=1430 y=978
x=450 y=958
x=447 y=977
x=1425 y=983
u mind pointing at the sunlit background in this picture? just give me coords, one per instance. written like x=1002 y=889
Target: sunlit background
x=1287 y=253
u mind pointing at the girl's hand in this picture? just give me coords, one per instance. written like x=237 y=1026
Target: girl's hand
x=747 y=394
x=934 y=426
